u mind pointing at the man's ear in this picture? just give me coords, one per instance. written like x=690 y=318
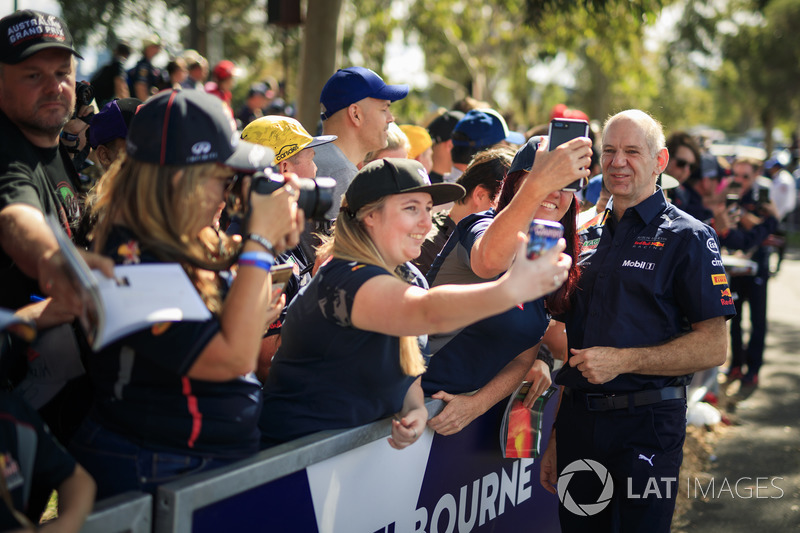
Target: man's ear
x=354 y=113
x=663 y=160
x=479 y=194
x=102 y=152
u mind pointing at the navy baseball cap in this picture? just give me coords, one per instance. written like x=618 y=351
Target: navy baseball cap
x=441 y=128
x=384 y=177
x=525 y=156
x=25 y=32
x=349 y=85
x=482 y=128
x=592 y=191
x=112 y=121
x=188 y=127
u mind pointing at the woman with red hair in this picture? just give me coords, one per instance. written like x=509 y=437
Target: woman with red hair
x=494 y=355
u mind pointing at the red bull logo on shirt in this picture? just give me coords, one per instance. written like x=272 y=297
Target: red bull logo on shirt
x=649 y=242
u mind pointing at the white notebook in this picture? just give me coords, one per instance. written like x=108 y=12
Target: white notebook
x=137 y=297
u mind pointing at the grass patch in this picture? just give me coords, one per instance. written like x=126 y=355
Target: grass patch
x=51 y=511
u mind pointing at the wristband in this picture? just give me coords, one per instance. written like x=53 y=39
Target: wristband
x=266 y=265
x=263 y=241
x=258 y=256
x=546 y=356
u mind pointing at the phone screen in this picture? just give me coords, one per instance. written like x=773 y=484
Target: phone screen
x=564 y=130
x=280 y=276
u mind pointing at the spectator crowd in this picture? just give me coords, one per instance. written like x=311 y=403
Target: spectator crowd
x=400 y=250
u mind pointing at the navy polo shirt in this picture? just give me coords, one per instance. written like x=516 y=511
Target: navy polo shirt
x=142 y=392
x=467 y=359
x=644 y=281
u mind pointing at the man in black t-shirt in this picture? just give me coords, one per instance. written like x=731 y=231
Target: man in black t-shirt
x=37 y=97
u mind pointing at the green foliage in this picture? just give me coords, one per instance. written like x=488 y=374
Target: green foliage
x=759 y=48
x=488 y=50
x=83 y=18
x=489 y=47
x=538 y=11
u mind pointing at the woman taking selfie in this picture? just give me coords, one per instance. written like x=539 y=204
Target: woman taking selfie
x=350 y=354
x=179 y=398
x=494 y=355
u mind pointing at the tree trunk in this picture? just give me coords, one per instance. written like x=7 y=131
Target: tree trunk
x=198 y=25
x=768 y=122
x=319 y=58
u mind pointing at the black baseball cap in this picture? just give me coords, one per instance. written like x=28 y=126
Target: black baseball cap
x=525 y=156
x=188 y=127
x=441 y=128
x=25 y=32
x=384 y=177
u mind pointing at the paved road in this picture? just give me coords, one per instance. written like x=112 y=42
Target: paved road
x=762 y=452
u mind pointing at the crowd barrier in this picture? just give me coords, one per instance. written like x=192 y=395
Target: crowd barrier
x=352 y=481
x=131 y=512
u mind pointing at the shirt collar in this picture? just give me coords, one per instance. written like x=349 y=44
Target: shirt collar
x=649 y=208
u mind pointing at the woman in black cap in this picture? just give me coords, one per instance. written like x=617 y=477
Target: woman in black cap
x=181 y=397
x=350 y=352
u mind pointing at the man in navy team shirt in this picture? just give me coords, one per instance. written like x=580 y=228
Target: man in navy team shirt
x=650 y=310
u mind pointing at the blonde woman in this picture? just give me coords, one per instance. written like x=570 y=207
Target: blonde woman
x=181 y=397
x=350 y=354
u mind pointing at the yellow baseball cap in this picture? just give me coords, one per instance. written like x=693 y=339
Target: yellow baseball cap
x=418 y=137
x=284 y=135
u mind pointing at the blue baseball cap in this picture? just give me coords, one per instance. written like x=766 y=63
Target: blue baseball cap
x=349 y=85
x=525 y=156
x=112 y=121
x=482 y=128
x=592 y=191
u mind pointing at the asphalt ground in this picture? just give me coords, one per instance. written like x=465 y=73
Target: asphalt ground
x=753 y=478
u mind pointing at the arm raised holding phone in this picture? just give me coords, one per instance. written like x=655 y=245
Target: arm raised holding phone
x=548 y=172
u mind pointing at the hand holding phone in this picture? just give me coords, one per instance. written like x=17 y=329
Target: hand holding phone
x=563 y=130
x=280 y=276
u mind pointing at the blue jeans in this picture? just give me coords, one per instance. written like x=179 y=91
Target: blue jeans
x=119 y=465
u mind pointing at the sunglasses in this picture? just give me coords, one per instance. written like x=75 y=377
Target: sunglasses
x=682 y=163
